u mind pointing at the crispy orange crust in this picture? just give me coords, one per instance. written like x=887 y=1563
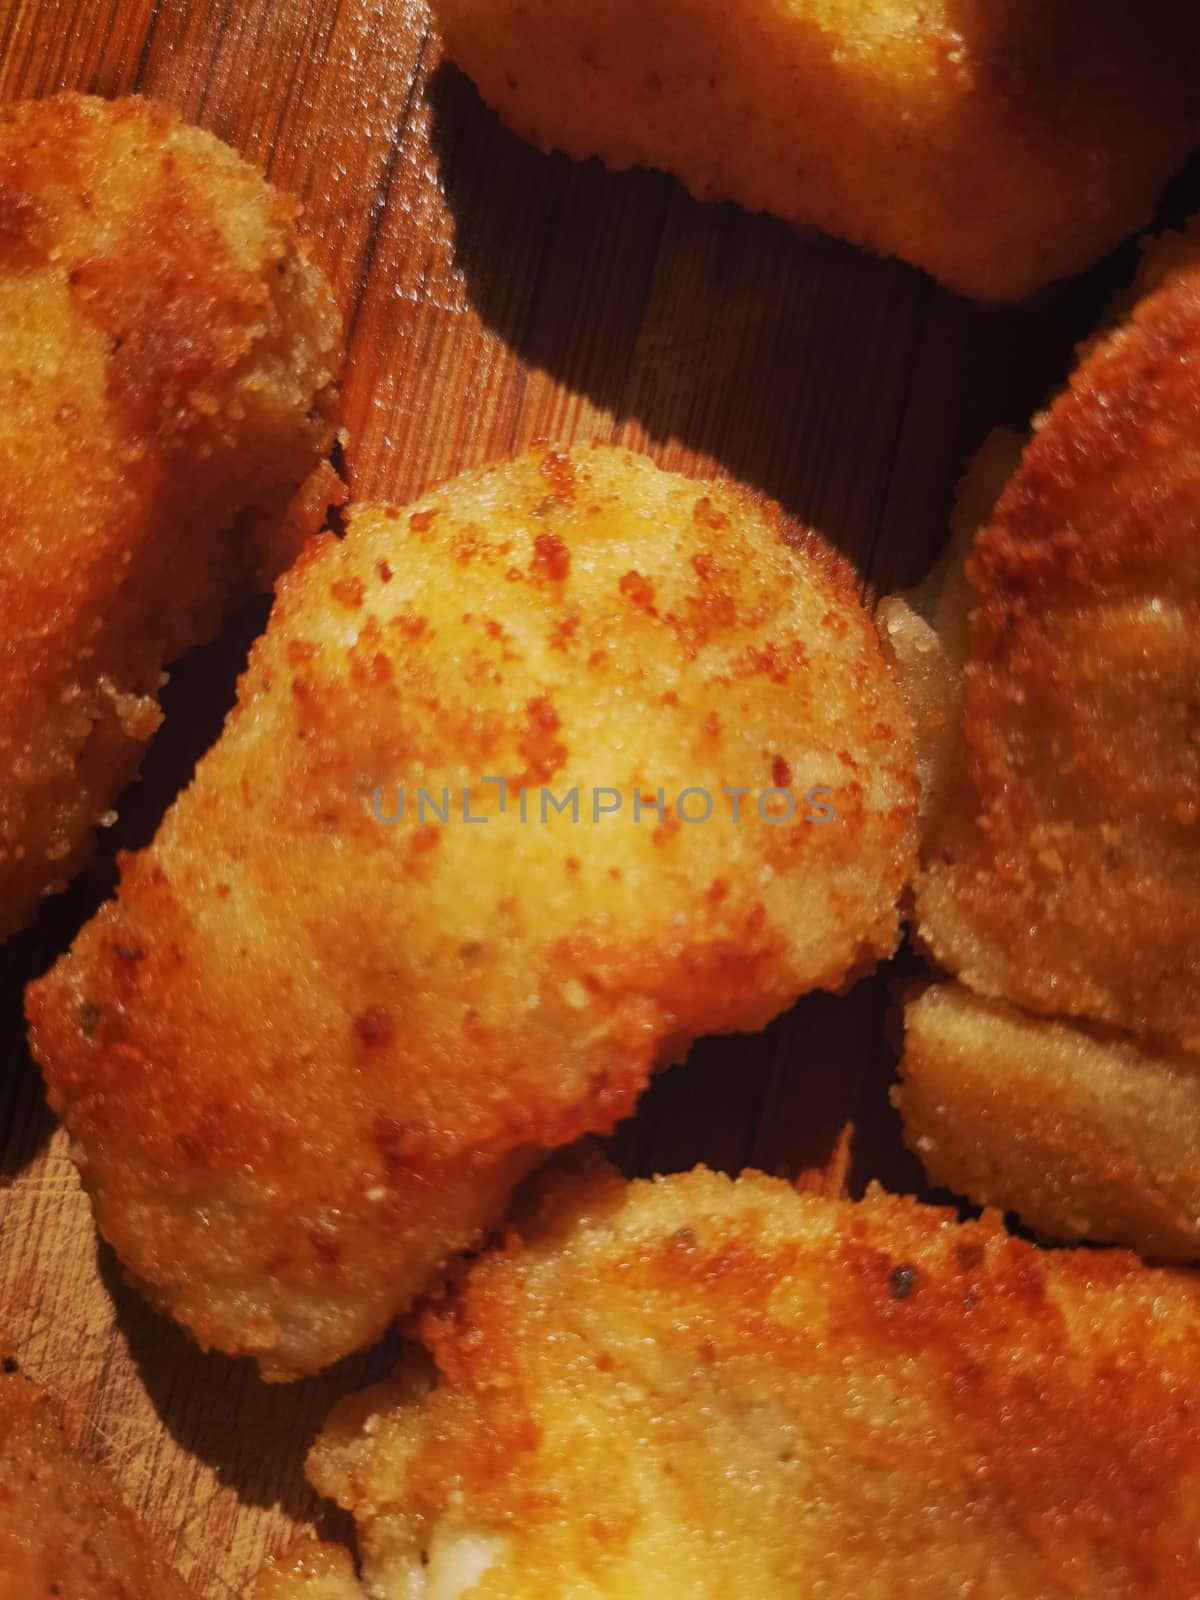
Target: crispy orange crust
x=706 y=1388
x=1067 y=877
x=345 y=1040
x=998 y=145
x=1061 y=862
x=166 y=363
x=64 y=1532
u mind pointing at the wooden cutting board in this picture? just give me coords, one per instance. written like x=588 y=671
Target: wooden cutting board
x=493 y=295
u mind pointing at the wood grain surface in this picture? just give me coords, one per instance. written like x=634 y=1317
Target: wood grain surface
x=493 y=295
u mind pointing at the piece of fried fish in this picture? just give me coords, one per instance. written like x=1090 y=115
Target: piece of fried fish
x=528 y=785
x=731 y=1391
x=997 y=143
x=1060 y=881
x=167 y=355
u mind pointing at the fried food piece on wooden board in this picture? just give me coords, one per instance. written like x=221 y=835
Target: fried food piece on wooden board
x=1070 y=882
x=1061 y=862
x=64 y=1532
x=167 y=353
x=731 y=1391
x=311 y=1046
x=1085 y=1136
x=997 y=143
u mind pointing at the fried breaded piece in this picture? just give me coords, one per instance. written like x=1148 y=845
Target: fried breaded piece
x=166 y=357
x=731 y=1391
x=996 y=143
x=64 y=1532
x=1086 y=1137
x=310 y=1048
x=1061 y=865
x=1071 y=881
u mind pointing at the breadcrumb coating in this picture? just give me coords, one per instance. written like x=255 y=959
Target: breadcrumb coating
x=311 y=1046
x=997 y=143
x=730 y=1391
x=1061 y=861
x=167 y=354
x=1085 y=1136
x=1071 y=883
x=64 y=1532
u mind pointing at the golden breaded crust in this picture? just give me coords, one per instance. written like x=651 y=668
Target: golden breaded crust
x=998 y=145
x=1061 y=775
x=309 y=1571
x=346 y=1037
x=1085 y=1137
x=1065 y=876
x=64 y=1532
x=166 y=360
x=731 y=1391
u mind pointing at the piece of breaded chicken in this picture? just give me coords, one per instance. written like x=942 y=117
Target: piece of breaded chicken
x=1086 y=1136
x=325 y=1026
x=1061 y=864
x=166 y=362
x=730 y=1391
x=64 y=1532
x=996 y=143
